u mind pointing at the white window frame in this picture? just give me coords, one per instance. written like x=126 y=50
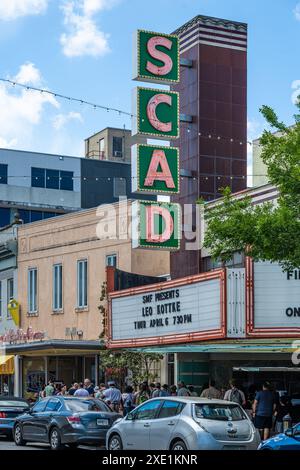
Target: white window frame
x=57 y=288
x=82 y=289
x=111 y=256
x=10 y=295
x=32 y=290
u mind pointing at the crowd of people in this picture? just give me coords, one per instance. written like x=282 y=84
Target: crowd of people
x=266 y=408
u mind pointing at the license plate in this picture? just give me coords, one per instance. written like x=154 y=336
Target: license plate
x=102 y=422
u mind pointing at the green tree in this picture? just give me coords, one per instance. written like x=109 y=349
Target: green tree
x=266 y=232
x=138 y=362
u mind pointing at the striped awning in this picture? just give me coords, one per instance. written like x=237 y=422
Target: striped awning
x=7 y=365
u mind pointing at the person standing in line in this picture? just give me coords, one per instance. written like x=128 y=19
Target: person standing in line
x=192 y=391
x=165 y=391
x=73 y=389
x=49 y=389
x=142 y=395
x=128 y=400
x=113 y=396
x=211 y=392
x=182 y=391
x=89 y=387
x=173 y=391
x=283 y=408
x=157 y=391
x=263 y=409
x=81 y=391
x=235 y=394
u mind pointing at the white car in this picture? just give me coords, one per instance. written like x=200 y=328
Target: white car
x=180 y=423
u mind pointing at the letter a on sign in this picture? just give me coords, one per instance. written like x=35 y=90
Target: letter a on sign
x=157 y=57
x=155 y=169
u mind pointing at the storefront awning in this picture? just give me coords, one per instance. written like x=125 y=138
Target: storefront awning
x=7 y=365
x=266 y=369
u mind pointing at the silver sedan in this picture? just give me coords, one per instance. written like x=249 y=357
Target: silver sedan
x=180 y=423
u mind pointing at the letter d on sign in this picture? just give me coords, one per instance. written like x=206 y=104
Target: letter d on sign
x=156 y=225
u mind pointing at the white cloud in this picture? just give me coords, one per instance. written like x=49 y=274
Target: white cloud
x=296 y=11
x=82 y=36
x=7 y=144
x=12 y=9
x=21 y=109
x=60 y=120
x=28 y=74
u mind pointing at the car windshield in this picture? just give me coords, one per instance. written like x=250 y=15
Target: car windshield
x=219 y=412
x=13 y=404
x=86 y=405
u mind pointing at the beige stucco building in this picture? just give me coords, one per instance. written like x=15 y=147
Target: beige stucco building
x=61 y=269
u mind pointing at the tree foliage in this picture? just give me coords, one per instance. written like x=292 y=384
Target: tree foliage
x=267 y=232
x=139 y=363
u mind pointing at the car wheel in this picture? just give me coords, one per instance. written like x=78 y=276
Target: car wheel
x=18 y=436
x=55 y=439
x=115 y=443
x=178 y=445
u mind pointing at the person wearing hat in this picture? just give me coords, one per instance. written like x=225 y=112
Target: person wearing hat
x=113 y=396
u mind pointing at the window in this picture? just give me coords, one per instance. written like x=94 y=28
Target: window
x=82 y=283
x=170 y=409
x=119 y=187
x=39 y=406
x=24 y=215
x=57 y=287
x=32 y=290
x=117 y=147
x=76 y=406
x=148 y=410
x=37 y=177
x=111 y=260
x=10 y=293
x=53 y=405
x=66 y=180
x=35 y=216
x=1 y=302
x=101 y=149
x=3 y=174
x=51 y=179
x=4 y=216
x=219 y=412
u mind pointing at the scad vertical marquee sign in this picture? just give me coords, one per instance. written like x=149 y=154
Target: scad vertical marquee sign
x=155 y=168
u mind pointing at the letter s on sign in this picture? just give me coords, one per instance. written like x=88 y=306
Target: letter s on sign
x=159 y=55
x=151 y=112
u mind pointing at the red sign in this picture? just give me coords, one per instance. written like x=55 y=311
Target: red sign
x=21 y=336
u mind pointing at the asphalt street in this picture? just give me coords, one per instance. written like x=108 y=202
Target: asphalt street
x=6 y=444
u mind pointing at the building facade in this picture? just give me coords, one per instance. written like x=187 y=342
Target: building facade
x=111 y=144
x=61 y=270
x=213 y=94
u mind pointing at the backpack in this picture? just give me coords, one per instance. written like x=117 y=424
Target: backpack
x=236 y=396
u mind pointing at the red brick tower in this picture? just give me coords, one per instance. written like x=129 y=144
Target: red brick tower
x=213 y=104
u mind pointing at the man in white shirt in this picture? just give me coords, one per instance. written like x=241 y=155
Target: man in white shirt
x=81 y=392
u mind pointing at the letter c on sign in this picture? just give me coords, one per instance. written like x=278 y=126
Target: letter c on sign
x=159 y=55
x=151 y=112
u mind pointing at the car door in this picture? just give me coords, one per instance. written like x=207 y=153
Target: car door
x=137 y=425
x=45 y=417
x=163 y=427
x=293 y=442
x=30 y=421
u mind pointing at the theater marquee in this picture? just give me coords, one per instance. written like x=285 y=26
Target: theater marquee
x=178 y=311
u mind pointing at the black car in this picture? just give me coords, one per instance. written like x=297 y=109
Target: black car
x=10 y=409
x=61 y=420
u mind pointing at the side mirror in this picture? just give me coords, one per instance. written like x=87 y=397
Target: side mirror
x=289 y=432
x=130 y=417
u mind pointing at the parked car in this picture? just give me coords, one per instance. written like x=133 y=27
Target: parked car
x=180 y=423
x=10 y=409
x=63 y=420
x=290 y=440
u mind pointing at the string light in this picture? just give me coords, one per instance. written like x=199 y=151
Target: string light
x=118 y=111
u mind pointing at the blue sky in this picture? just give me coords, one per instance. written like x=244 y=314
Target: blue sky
x=83 y=48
